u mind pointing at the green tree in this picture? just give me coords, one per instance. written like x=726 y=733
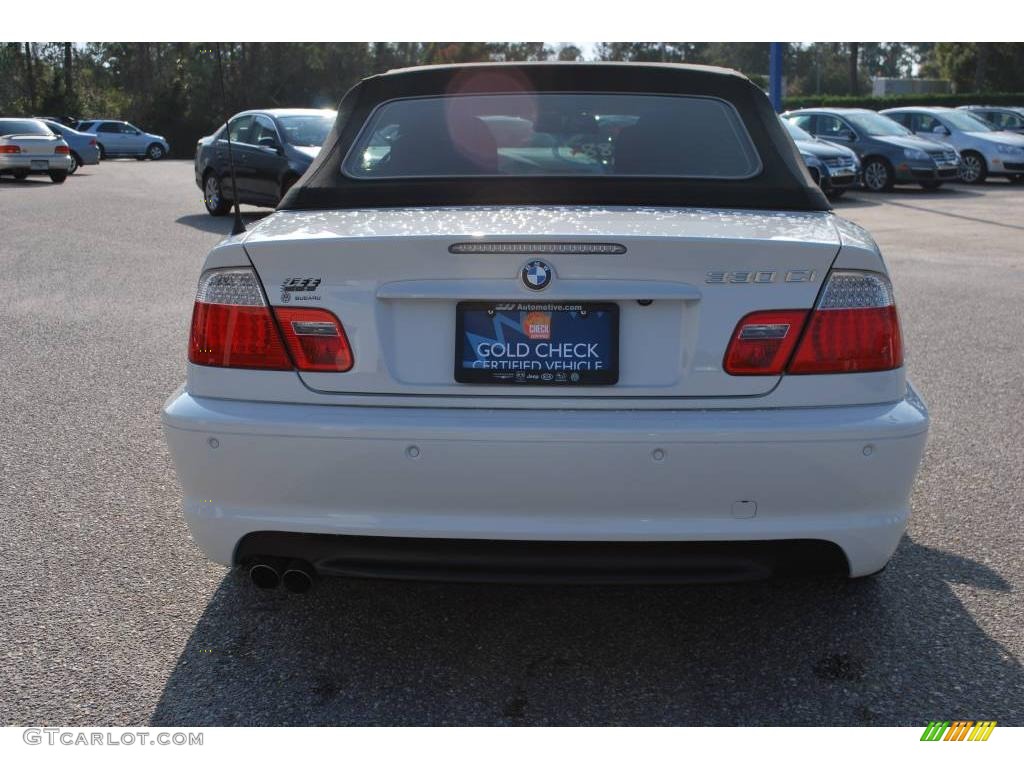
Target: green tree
x=665 y=52
x=569 y=52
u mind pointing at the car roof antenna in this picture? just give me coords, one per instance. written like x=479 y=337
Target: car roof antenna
x=239 y=226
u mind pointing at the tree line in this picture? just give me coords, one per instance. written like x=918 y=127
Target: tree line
x=175 y=89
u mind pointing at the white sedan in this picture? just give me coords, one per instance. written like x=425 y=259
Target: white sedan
x=29 y=147
x=626 y=341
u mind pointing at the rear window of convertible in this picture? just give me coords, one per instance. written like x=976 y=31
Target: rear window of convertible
x=553 y=134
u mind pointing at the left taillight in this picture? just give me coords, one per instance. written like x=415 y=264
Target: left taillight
x=9 y=149
x=61 y=149
x=234 y=327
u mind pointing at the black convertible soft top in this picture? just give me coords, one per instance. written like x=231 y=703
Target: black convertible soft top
x=782 y=184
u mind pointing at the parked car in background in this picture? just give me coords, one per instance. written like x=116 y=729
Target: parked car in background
x=272 y=148
x=834 y=168
x=889 y=153
x=1002 y=118
x=70 y=122
x=693 y=366
x=116 y=138
x=84 y=149
x=985 y=150
x=27 y=147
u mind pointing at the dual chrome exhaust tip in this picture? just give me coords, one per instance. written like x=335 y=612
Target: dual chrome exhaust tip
x=296 y=576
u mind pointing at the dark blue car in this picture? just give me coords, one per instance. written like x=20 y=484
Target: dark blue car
x=272 y=148
x=835 y=169
x=889 y=153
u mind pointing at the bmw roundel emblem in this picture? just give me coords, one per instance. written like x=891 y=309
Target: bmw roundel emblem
x=536 y=275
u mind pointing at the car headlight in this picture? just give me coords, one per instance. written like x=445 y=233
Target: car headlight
x=1010 y=149
x=915 y=154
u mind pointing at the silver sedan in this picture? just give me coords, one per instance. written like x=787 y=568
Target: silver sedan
x=27 y=146
x=984 y=150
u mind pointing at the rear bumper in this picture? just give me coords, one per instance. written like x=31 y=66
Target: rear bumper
x=23 y=162
x=841 y=475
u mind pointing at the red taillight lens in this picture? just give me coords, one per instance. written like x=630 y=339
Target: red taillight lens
x=316 y=339
x=236 y=337
x=92 y=142
x=232 y=326
x=854 y=328
x=850 y=341
x=763 y=342
x=9 y=149
x=59 y=150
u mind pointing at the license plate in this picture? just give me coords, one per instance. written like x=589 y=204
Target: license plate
x=557 y=344
x=40 y=165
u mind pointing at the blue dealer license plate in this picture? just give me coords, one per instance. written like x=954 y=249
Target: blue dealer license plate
x=564 y=344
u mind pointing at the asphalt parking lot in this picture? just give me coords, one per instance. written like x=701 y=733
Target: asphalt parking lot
x=111 y=616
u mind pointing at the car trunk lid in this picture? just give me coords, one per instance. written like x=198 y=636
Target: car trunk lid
x=681 y=279
x=33 y=146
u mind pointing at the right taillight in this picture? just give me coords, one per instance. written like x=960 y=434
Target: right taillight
x=853 y=329
x=763 y=342
x=233 y=327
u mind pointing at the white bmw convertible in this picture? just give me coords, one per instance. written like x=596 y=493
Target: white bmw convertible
x=562 y=322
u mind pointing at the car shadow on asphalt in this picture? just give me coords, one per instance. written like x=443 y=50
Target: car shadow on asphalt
x=855 y=200
x=898 y=649
x=219 y=224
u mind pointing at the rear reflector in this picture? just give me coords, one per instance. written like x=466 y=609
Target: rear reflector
x=61 y=150
x=853 y=329
x=232 y=327
x=763 y=342
x=316 y=339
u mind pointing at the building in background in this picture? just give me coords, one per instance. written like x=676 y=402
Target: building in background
x=901 y=86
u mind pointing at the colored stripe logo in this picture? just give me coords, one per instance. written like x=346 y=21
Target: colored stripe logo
x=958 y=730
